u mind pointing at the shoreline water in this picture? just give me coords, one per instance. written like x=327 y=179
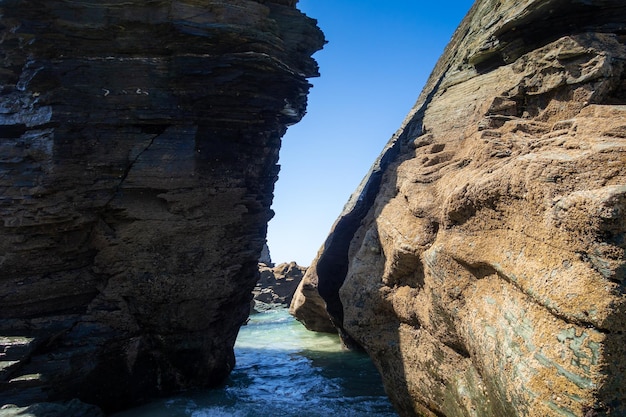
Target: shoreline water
x=284 y=370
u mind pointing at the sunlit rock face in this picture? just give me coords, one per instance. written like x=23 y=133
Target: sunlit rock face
x=276 y=285
x=138 y=151
x=482 y=262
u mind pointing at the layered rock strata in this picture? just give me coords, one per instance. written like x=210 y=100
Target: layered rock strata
x=482 y=262
x=138 y=144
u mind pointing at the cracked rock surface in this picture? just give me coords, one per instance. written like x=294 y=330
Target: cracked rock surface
x=276 y=285
x=482 y=262
x=138 y=151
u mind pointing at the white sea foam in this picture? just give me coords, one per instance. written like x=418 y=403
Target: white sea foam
x=218 y=412
x=283 y=370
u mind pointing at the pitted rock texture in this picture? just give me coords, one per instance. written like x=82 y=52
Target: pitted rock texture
x=488 y=275
x=139 y=143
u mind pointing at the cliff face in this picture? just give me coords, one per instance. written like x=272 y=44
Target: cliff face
x=139 y=143
x=482 y=262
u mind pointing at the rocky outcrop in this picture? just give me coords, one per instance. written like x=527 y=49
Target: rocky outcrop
x=276 y=285
x=139 y=143
x=482 y=262
x=73 y=408
x=308 y=306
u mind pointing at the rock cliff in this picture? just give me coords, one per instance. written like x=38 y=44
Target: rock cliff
x=139 y=142
x=482 y=262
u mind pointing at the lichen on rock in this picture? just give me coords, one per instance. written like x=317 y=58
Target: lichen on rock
x=486 y=276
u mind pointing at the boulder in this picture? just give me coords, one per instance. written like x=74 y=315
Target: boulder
x=276 y=285
x=138 y=153
x=482 y=261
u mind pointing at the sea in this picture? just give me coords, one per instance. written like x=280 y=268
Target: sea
x=284 y=370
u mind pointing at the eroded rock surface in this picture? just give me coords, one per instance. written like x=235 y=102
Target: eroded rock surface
x=308 y=306
x=482 y=263
x=276 y=285
x=138 y=145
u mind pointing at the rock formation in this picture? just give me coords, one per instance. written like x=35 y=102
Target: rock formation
x=139 y=143
x=482 y=261
x=276 y=285
x=265 y=257
x=73 y=408
x=308 y=306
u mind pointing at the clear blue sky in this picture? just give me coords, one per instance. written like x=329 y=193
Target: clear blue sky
x=379 y=55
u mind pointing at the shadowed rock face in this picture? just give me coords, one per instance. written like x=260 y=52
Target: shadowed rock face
x=138 y=151
x=486 y=276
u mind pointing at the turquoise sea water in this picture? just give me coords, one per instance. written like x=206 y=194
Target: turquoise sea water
x=283 y=370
